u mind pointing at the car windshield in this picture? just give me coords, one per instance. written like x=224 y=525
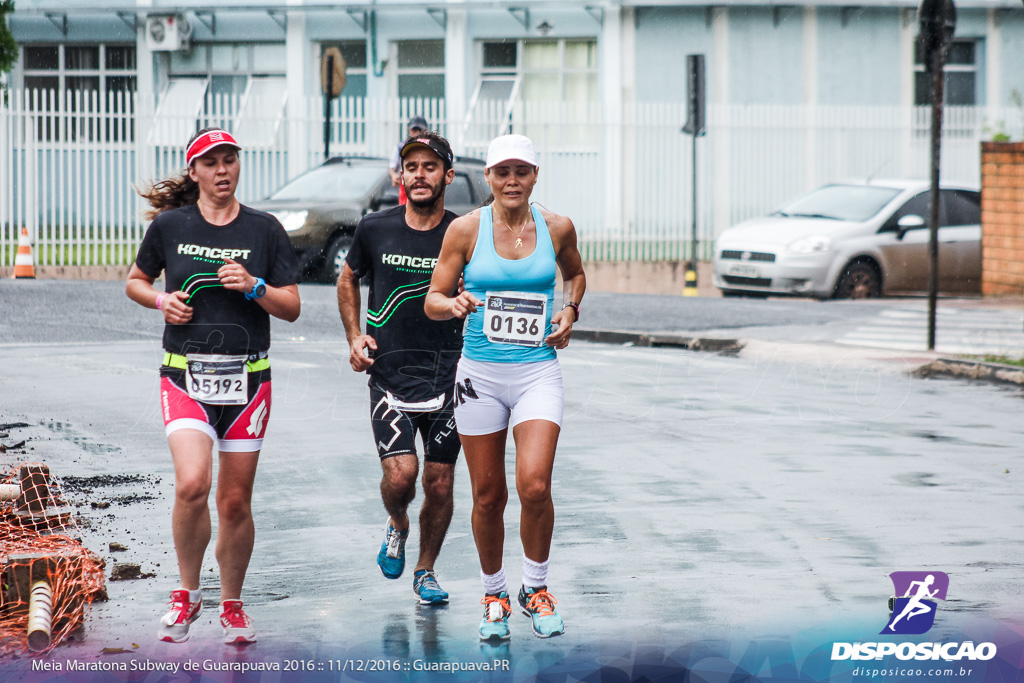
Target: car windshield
x=841 y=202
x=332 y=182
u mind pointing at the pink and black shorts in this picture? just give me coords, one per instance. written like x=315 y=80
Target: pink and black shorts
x=235 y=428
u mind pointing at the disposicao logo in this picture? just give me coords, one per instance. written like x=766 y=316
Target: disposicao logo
x=913 y=613
x=914 y=605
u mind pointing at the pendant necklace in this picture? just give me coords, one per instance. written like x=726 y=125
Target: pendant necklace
x=519 y=238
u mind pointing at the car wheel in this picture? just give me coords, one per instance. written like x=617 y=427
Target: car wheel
x=334 y=257
x=858 y=281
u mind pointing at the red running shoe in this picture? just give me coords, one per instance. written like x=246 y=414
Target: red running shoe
x=174 y=625
x=238 y=629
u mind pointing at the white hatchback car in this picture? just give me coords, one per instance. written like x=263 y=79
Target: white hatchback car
x=854 y=240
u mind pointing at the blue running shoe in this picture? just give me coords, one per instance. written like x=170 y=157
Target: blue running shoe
x=391 y=558
x=494 y=625
x=539 y=605
x=426 y=588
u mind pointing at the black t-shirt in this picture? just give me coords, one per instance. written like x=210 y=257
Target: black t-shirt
x=190 y=250
x=416 y=357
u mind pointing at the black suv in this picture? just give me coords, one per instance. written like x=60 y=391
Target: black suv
x=320 y=208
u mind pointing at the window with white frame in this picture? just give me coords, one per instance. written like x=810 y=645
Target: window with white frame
x=70 y=80
x=546 y=70
x=239 y=86
x=97 y=69
x=420 y=68
x=86 y=78
x=229 y=66
x=178 y=111
x=961 y=75
x=562 y=70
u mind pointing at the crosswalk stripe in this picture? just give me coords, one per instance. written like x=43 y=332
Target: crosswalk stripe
x=997 y=332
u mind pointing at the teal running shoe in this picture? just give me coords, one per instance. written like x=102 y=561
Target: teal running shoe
x=494 y=625
x=391 y=558
x=426 y=588
x=539 y=605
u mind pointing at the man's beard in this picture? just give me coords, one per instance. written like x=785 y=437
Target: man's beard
x=426 y=204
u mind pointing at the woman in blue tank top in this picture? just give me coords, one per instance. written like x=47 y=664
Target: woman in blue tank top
x=509 y=377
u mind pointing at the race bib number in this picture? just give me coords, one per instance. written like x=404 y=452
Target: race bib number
x=515 y=318
x=216 y=379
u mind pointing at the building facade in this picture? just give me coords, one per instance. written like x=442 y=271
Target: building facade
x=824 y=52
x=601 y=85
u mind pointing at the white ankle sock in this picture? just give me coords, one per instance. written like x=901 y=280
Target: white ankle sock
x=495 y=583
x=195 y=595
x=535 y=574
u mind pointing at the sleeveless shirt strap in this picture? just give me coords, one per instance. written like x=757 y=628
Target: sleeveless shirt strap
x=538 y=220
x=485 y=231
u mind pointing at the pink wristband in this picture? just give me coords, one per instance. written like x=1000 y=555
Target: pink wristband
x=159 y=300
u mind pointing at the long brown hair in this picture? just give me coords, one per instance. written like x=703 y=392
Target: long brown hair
x=174 y=192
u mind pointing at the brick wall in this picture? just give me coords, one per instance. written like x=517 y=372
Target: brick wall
x=1002 y=217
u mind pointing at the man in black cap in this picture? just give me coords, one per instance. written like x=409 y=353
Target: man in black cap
x=410 y=359
x=417 y=126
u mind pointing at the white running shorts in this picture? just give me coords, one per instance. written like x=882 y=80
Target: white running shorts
x=492 y=396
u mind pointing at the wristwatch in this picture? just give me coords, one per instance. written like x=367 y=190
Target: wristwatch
x=575 y=309
x=258 y=290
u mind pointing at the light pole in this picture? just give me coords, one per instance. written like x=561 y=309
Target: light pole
x=938 y=22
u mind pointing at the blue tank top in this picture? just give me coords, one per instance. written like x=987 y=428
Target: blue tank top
x=489 y=272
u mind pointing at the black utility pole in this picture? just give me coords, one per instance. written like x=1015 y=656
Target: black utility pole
x=328 y=90
x=332 y=82
x=694 y=127
x=938 y=22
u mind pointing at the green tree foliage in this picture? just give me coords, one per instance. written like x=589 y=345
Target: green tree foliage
x=8 y=50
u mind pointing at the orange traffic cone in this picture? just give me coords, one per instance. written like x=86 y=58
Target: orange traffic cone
x=24 y=264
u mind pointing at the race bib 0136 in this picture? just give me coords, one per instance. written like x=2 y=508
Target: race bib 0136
x=515 y=318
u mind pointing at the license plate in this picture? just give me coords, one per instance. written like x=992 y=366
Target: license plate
x=743 y=270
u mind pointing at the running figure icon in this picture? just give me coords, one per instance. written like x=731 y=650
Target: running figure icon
x=915 y=606
x=919 y=595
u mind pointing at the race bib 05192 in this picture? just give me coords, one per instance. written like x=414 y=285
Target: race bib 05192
x=217 y=379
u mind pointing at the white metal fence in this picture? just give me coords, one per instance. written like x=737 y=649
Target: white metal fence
x=69 y=163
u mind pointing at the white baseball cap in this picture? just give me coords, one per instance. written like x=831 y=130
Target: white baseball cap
x=510 y=147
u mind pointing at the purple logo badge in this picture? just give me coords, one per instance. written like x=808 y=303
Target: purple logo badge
x=913 y=607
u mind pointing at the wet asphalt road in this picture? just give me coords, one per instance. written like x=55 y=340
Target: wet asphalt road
x=697 y=496
x=99 y=311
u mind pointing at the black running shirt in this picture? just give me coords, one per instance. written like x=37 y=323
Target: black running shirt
x=416 y=357
x=190 y=250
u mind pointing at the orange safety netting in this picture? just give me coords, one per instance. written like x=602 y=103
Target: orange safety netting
x=40 y=541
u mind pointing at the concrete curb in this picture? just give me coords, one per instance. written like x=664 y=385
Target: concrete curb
x=658 y=339
x=103 y=273
x=940 y=367
x=971 y=369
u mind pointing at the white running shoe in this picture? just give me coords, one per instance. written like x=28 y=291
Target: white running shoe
x=238 y=629
x=174 y=625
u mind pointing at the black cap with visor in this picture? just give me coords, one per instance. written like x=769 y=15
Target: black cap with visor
x=437 y=145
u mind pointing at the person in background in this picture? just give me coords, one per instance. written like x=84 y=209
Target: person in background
x=417 y=126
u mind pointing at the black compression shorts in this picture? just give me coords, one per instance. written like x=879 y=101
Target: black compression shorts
x=394 y=429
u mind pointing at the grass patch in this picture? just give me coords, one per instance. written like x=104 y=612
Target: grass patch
x=1003 y=360
x=73 y=254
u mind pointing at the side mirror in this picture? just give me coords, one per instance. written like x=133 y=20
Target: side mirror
x=908 y=222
